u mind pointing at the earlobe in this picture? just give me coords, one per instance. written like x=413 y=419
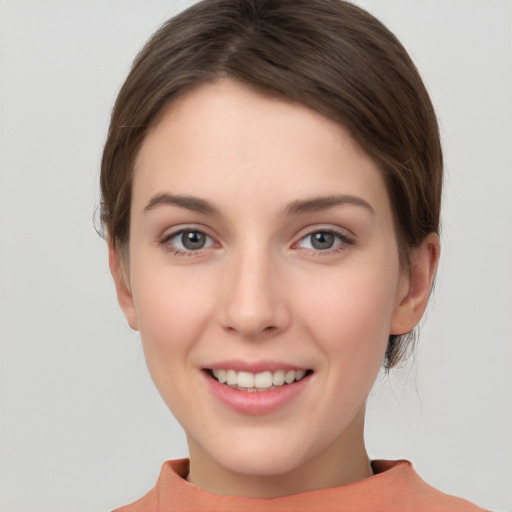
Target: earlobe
x=411 y=305
x=121 y=280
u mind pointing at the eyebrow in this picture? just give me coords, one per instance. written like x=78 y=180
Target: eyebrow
x=189 y=202
x=324 y=203
x=295 y=207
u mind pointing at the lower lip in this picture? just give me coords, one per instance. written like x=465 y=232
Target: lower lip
x=257 y=402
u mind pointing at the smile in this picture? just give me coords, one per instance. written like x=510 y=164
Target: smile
x=262 y=381
x=256 y=388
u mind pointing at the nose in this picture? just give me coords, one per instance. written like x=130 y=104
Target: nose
x=254 y=301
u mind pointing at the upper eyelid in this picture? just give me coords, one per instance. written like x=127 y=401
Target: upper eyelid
x=341 y=237
x=346 y=238
x=342 y=232
x=165 y=242
x=171 y=233
x=329 y=228
x=181 y=228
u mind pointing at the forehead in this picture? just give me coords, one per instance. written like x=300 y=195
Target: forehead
x=224 y=138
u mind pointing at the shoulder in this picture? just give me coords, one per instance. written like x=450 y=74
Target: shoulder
x=395 y=486
x=172 y=475
x=148 y=502
x=406 y=489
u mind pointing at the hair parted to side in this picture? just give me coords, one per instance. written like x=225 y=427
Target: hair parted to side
x=328 y=55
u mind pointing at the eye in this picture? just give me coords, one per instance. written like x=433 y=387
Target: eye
x=323 y=240
x=188 y=240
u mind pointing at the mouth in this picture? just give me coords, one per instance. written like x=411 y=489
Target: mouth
x=257 y=382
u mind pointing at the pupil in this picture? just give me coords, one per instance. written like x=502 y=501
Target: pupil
x=193 y=240
x=322 y=240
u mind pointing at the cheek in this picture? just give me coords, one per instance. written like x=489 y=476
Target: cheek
x=350 y=312
x=172 y=309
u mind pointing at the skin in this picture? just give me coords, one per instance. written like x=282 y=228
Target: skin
x=259 y=290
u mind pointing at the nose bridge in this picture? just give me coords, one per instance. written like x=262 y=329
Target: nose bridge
x=252 y=303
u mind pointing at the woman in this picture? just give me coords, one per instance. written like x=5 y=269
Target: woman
x=271 y=188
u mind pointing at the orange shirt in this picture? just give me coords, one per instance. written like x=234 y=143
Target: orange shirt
x=395 y=487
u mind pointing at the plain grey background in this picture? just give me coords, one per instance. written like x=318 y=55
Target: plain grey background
x=82 y=427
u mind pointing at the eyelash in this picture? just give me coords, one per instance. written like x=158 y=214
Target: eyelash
x=343 y=242
x=166 y=242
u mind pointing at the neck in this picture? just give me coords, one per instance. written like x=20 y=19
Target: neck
x=343 y=462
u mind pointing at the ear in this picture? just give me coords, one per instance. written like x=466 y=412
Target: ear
x=119 y=270
x=415 y=291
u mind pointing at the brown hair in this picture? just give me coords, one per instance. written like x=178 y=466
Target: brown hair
x=328 y=55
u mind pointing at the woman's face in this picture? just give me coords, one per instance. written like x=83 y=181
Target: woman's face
x=262 y=248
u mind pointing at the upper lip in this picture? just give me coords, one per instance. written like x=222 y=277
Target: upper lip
x=240 y=365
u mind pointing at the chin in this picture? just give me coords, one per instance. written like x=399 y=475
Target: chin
x=261 y=466
x=264 y=458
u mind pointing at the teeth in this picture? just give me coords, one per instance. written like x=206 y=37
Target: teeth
x=289 y=377
x=232 y=378
x=220 y=375
x=263 y=380
x=258 y=381
x=245 y=380
x=299 y=374
x=278 y=378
